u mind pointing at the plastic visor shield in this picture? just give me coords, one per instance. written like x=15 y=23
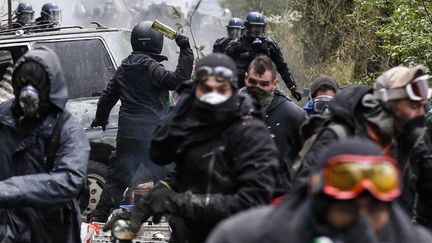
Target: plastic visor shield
x=419 y=89
x=220 y=72
x=234 y=33
x=256 y=31
x=346 y=176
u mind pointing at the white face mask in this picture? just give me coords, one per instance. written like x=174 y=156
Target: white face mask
x=213 y=98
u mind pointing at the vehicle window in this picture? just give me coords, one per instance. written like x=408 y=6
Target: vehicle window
x=86 y=65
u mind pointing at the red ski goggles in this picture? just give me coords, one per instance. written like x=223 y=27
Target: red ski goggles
x=346 y=176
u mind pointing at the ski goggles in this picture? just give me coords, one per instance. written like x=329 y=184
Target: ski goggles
x=224 y=73
x=347 y=176
x=320 y=103
x=417 y=90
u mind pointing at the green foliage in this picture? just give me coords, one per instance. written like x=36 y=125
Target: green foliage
x=352 y=40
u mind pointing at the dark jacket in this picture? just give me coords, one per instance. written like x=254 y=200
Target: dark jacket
x=292 y=225
x=412 y=150
x=227 y=161
x=345 y=111
x=243 y=52
x=284 y=119
x=38 y=202
x=221 y=44
x=142 y=84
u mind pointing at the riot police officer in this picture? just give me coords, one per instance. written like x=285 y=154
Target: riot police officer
x=235 y=28
x=24 y=15
x=50 y=16
x=255 y=42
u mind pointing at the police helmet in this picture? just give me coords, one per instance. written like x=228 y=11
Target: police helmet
x=235 y=23
x=144 y=38
x=255 y=25
x=50 y=11
x=24 y=13
x=254 y=18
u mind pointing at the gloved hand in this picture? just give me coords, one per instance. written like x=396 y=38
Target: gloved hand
x=97 y=123
x=123 y=215
x=182 y=41
x=296 y=94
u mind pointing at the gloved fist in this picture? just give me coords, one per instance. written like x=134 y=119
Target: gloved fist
x=123 y=215
x=182 y=41
x=296 y=94
x=98 y=123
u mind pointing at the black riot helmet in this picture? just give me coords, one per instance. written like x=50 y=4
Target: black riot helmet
x=24 y=13
x=50 y=12
x=146 y=39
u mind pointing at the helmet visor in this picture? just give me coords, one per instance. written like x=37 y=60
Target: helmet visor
x=347 y=176
x=54 y=15
x=419 y=89
x=25 y=18
x=234 y=33
x=256 y=31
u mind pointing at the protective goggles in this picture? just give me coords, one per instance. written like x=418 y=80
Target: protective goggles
x=417 y=90
x=320 y=103
x=224 y=73
x=347 y=176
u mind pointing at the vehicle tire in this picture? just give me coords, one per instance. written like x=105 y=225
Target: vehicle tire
x=96 y=177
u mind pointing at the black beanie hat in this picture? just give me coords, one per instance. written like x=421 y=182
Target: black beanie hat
x=324 y=80
x=219 y=60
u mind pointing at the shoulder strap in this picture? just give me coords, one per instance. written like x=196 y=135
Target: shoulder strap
x=338 y=129
x=53 y=140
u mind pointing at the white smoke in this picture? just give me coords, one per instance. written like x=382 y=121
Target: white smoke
x=208 y=23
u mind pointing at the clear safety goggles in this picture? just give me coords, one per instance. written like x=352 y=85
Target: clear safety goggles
x=417 y=90
x=224 y=73
x=320 y=103
x=347 y=176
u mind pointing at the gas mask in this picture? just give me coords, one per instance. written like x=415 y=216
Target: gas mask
x=29 y=100
x=213 y=98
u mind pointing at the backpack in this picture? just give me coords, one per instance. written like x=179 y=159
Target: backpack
x=310 y=131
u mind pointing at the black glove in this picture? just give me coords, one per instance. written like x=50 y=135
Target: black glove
x=182 y=41
x=123 y=215
x=296 y=94
x=98 y=123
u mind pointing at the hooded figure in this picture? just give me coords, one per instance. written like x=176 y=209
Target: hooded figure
x=224 y=155
x=390 y=114
x=142 y=84
x=38 y=193
x=350 y=197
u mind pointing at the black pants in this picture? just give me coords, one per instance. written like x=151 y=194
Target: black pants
x=129 y=154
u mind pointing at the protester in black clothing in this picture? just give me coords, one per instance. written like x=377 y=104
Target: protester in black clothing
x=349 y=199
x=255 y=42
x=225 y=159
x=234 y=30
x=142 y=84
x=392 y=115
x=281 y=115
x=43 y=155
